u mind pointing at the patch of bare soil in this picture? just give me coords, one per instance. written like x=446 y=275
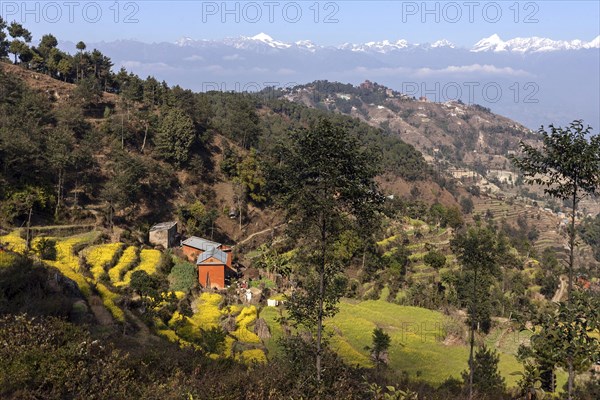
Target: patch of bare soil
x=453 y=340
x=428 y=191
x=100 y=312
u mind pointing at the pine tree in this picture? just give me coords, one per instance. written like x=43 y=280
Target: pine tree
x=380 y=344
x=477 y=252
x=486 y=377
x=18 y=47
x=3 y=42
x=175 y=137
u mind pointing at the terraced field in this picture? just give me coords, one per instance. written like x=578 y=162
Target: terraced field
x=547 y=224
x=102 y=271
x=127 y=261
x=430 y=237
x=551 y=233
x=99 y=257
x=242 y=343
x=418 y=345
x=67 y=261
x=149 y=260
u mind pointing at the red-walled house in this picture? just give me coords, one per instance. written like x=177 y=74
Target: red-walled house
x=214 y=267
x=194 y=246
x=213 y=259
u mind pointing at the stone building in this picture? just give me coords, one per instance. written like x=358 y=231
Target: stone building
x=163 y=234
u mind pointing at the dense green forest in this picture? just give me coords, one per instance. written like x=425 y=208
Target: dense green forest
x=111 y=152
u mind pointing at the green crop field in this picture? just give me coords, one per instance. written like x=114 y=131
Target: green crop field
x=417 y=340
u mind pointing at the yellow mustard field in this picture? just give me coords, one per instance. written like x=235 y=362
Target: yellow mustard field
x=100 y=256
x=108 y=299
x=186 y=331
x=126 y=261
x=14 y=242
x=149 y=261
x=68 y=263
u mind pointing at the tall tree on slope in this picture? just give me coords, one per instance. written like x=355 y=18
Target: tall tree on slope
x=326 y=186
x=568 y=166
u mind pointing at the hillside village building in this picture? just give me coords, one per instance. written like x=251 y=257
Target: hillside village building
x=163 y=234
x=214 y=261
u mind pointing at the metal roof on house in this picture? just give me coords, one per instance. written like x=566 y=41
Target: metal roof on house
x=163 y=225
x=199 y=243
x=212 y=252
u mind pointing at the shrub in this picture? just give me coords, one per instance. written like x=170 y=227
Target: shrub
x=435 y=259
x=53 y=359
x=144 y=284
x=466 y=205
x=183 y=276
x=45 y=248
x=165 y=263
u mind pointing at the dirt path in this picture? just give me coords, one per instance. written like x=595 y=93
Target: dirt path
x=100 y=312
x=560 y=292
x=143 y=334
x=259 y=233
x=500 y=337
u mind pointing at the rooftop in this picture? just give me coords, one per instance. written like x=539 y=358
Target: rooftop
x=212 y=252
x=163 y=225
x=200 y=243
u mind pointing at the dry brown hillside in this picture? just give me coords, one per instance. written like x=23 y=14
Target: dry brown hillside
x=56 y=90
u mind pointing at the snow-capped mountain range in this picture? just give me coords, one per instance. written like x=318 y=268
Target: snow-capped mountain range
x=532 y=44
x=492 y=44
x=532 y=80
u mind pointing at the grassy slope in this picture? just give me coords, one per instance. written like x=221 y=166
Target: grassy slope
x=416 y=340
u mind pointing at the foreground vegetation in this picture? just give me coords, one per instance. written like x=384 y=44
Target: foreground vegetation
x=427 y=347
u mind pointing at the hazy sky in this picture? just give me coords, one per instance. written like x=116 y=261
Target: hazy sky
x=324 y=22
